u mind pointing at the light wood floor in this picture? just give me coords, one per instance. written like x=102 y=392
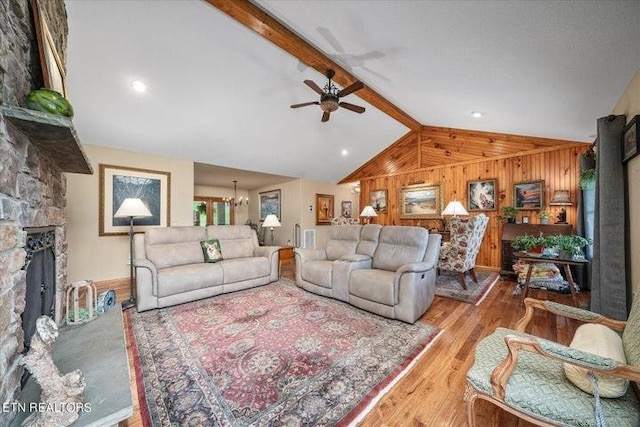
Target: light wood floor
x=431 y=394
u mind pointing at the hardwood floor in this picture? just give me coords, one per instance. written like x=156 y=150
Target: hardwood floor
x=431 y=394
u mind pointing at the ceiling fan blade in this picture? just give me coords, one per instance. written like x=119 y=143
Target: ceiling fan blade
x=314 y=86
x=330 y=38
x=325 y=116
x=351 y=88
x=304 y=104
x=352 y=107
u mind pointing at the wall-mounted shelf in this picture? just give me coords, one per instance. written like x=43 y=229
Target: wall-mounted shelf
x=54 y=136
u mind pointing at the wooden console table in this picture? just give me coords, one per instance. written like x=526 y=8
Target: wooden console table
x=286 y=257
x=511 y=231
x=564 y=262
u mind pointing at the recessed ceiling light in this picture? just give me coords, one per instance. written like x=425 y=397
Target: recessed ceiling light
x=477 y=114
x=345 y=152
x=138 y=86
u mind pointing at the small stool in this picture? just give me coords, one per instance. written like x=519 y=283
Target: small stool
x=84 y=314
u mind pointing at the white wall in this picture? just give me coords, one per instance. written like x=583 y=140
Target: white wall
x=298 y=205
x=629 y=104
x=103 y=258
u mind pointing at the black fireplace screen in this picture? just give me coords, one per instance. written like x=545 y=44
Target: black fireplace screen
x=41 y=280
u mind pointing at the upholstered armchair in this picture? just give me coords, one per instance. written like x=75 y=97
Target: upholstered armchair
x=459 y=254
x=550 y=384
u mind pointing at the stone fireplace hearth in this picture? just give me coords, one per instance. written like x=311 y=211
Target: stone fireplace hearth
x=32 y=179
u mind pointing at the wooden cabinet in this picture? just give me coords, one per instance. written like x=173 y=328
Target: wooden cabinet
x=511 y=231
x=287 y=260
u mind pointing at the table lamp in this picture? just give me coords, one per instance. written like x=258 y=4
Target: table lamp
x=368 y=212
x=453 y=209
x=271 y=221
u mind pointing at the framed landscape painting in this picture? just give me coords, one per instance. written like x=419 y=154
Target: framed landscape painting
x=379 y=200
x=423 y=201
x=481 y=195
x=324 y=209
x=269 y=203
x=118 y=183
x=528 y=195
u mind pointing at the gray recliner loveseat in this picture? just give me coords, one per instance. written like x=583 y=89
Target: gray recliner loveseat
x=171 y=269
x=390 y=271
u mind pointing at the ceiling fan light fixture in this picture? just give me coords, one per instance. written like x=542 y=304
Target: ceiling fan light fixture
x=329 y=103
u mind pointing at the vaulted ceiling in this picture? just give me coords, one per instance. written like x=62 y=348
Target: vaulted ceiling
x=219 y=91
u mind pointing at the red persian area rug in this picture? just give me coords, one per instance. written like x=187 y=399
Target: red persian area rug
x=272 y=355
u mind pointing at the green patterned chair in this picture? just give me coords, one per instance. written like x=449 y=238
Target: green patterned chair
x=525 y=375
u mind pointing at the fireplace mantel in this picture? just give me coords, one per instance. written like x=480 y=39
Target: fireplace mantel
x=53 y=134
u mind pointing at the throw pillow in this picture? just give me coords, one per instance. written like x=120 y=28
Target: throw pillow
x=602 y=341
x=211 y=250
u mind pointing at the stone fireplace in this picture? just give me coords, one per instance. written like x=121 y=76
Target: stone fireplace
x=32 y=185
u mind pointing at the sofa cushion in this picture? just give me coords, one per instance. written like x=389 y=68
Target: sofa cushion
x=317 y=272
x=211 y=250
x=239 y=269
x=342 y=240
x=369 y=237
x=172 y=246
x=602 y=341
x=185 y=278
x=400 y=245
x=236 y=241
x=373 y=285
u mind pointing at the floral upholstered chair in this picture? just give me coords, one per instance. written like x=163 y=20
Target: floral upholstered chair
x=459 y=254
x=550 y=384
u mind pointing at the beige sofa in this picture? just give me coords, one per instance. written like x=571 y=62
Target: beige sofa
x=390 y=271
x=170 y=267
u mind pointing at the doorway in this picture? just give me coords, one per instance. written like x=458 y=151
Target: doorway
x=212 y=211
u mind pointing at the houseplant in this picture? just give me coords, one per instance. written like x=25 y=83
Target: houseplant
x=588 y=179
x=544 y=215
x=509 y=214
x=528 y=243
x=569 y=245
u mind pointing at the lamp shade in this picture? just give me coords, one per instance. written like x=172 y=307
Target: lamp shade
x=132 y=207
x=455 y=208
x=271 y=221
x=368 y=211
x=561 y=198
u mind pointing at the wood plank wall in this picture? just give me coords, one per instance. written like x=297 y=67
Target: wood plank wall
x=557 y=167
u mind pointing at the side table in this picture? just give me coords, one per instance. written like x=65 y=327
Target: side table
x=564 y=262
x=286 y=257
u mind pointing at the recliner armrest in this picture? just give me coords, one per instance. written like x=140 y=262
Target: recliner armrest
x=145 y=263
x=310 y=254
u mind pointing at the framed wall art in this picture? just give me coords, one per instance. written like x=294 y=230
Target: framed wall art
x=346 y=209
x=270 y=202
x=481 y=195
x=421 y=201
x=379 y=200
x=52 y=68
x=118 y=183
x=324 y=209
x=631 y=140
x=528 y=195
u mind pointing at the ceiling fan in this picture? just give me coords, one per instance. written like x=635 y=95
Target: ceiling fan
x=330 y=97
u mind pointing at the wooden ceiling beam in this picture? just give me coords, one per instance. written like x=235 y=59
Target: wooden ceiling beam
x=256 y=19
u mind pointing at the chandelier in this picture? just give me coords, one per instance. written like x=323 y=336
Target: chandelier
x=241 y=201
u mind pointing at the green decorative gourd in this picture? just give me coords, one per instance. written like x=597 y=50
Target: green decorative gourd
x=50 y=101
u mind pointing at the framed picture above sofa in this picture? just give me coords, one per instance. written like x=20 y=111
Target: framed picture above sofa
x=117 y=183
x=324 y=209
x=270 y=203
x=421 y=201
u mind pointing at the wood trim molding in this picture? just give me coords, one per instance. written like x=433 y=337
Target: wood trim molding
x=256 y=19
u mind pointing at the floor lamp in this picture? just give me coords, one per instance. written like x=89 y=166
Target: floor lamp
x=131 y=208
x=271 y=221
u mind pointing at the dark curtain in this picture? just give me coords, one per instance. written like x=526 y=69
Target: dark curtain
x=608 y=281
x=586 y=218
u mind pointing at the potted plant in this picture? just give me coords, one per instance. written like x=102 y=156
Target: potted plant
x=544 y=215
x=509 y=214
x=588 y=179
x=569 y=245
x=528 y=243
